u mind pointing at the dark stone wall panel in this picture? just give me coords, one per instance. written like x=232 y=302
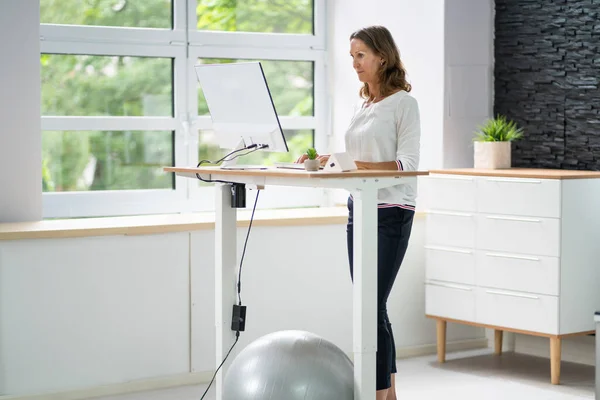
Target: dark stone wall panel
x=547 y=75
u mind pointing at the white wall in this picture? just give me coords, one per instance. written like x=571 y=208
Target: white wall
x=447 y=48
x=92 y=311
x=85 y=312
x=20 y=128
x=469 y=73
x=579 y=349
x=418 y=29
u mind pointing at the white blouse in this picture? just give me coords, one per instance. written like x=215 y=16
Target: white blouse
x=389 y=130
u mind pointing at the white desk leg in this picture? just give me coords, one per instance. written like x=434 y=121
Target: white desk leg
x=365 y=293
x=225 y=279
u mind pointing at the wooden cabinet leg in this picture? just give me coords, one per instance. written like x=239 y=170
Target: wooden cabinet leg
x=441 y=340
x=498 y=342
x=555 y=344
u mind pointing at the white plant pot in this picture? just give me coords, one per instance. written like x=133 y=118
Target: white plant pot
x=492 y=155
x=312 y=165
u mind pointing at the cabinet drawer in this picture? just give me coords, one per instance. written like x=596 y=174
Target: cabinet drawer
x=521 y=235
x=534 y=274
x=450 y=300
x=449 y=192
x=450 y=264
x=517 y=310
x=519 y=196
x=450 y=229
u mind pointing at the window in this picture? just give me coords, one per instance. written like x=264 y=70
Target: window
x=126 y=13
x=120 y=98
x=86 y=85
x=84 y=161
x=273 y=16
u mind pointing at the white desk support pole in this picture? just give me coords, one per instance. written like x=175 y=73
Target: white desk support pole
x=225 y=279
x=365 y=292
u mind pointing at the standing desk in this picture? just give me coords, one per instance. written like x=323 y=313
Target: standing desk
x=363 y=185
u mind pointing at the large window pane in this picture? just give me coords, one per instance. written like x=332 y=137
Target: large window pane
x=290 y=82
x=84 y=161
x=125 y=13
x=297 y=140
x=83 y=85
x=269 y=16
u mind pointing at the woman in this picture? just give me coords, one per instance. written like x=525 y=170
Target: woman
x=384 y=134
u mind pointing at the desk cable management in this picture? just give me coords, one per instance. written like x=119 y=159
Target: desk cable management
x=252 y=148
x=239 y=311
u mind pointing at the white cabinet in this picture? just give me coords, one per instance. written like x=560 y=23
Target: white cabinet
x=454 y=229
x=516 y=310
x=531 y=197
x=450 y=264
x=452 y=300
x=513 y=250
x=524 y=273
x=516 y=234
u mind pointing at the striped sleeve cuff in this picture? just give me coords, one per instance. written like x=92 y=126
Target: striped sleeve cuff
x=400 y=167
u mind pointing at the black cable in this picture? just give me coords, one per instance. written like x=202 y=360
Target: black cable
x=254 y=147
x=244 y=251
x=239 y=286
x=239 y=155
x=237 y=336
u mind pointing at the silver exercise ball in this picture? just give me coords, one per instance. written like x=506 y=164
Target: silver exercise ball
x=290 y=365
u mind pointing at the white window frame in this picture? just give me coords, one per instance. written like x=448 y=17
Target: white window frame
x=184 y=47
x=262 y=40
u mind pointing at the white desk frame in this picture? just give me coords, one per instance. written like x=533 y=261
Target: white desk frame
x=364 y=186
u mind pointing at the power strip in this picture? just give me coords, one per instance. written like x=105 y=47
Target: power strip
x=238 y=321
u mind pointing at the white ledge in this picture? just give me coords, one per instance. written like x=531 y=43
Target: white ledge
x=164 y=223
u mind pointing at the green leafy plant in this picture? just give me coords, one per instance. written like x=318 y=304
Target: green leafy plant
x=311 y=153
x=498 y=129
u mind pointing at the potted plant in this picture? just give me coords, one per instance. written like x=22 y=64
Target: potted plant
x=492 y=147
x=311 y=163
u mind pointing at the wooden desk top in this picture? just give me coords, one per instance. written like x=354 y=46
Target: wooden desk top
x=291 y=173
x=538 y=173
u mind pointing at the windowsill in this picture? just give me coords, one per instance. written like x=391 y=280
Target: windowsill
x=166 y=223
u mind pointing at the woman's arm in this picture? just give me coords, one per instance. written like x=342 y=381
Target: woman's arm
x=409 y=135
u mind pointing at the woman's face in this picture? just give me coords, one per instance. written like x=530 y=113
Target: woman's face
x=365 y=62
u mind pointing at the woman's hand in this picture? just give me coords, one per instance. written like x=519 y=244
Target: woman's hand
x=322 y=159
x=301 y=159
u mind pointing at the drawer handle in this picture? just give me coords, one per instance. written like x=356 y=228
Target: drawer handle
x=449 y=286
x=519 y=180
x=526 y=296
x=513 y=218
x=454 y=214
x=448 y=249
x=511 y=256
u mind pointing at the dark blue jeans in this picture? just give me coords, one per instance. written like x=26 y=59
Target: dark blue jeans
x=393 y=234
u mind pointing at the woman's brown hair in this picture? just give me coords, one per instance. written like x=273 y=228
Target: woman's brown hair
x=392 y=74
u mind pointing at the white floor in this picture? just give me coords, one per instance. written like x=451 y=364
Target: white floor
x=465 y=375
